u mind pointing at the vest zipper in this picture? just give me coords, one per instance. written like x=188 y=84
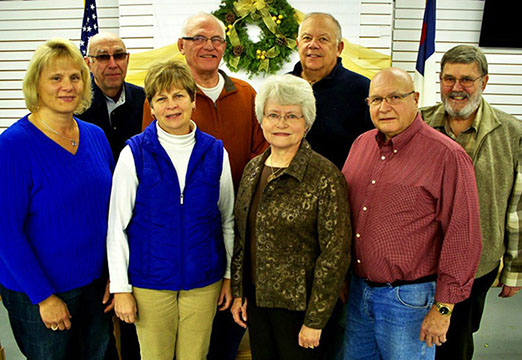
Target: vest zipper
x=180 y=227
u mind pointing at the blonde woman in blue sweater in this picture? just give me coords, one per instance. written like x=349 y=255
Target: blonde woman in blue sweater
x=55 y=178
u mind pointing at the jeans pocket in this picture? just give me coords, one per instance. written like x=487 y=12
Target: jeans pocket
x=416 y=296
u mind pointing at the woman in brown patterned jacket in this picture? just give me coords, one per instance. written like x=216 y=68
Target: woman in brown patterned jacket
x=293 y=232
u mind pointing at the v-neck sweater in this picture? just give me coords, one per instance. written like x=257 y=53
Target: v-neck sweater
x=53 y=209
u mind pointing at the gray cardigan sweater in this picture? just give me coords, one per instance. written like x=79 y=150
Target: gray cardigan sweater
x=498 y=167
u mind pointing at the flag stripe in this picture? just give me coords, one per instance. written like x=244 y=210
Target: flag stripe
x=427 y=41
x=425 y=77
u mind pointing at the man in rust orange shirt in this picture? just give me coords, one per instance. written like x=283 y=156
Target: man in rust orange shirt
x=224 y=105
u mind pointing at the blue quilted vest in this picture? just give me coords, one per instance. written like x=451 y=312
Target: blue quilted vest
x=176 y=239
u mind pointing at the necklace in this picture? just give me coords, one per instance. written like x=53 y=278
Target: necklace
x=73 y=142
x=279 y=170
x=275 y=173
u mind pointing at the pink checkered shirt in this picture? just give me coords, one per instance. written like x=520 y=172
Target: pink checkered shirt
x=415 y=210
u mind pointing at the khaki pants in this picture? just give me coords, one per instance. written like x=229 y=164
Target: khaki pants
x=175 y=321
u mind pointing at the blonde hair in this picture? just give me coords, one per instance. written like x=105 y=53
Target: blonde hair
x=52 y=50
x=168 y=75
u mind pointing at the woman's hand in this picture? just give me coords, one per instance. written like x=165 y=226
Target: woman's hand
x=107 y=300
x=308 y=337
x=54 y=313
x=225 y=296
x=239 y=313
x=125 y=307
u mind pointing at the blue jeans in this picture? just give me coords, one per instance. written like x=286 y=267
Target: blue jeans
x=384 y=322
x=87 y=339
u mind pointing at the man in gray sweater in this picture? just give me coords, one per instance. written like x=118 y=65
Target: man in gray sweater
x=493 y=140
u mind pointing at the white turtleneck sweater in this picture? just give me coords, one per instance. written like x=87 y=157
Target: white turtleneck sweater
x=123 y=196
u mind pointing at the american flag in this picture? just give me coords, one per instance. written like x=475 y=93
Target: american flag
x=89 y=25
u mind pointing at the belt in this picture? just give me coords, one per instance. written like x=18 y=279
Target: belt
x=421 y=280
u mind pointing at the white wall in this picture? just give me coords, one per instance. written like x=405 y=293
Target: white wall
x=24 y=25
x=391 y=27
x=458 y=22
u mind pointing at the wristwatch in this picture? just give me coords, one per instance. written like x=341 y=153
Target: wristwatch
x=443 y=309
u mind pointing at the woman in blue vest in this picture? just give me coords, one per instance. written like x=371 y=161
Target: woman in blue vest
x=170 y=235
x=55 y=182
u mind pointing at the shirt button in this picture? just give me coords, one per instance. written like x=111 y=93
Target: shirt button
x=395 y=151
x=383 y=157
x=358 y=261
x=373 y=181
x=114 y=128
x=365 y=208
x=358 y=235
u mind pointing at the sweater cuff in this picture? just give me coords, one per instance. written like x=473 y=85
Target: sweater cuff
x=120 y=288
x=227 y=274
x=511 y=279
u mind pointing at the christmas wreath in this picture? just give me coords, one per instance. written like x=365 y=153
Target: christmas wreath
x=278 y=24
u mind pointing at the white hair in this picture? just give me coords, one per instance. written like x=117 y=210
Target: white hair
x=287 y=90
x=189 y=20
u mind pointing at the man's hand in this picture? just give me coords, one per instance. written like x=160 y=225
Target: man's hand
x=125 y=307
x=435 y=326
x=308 y=337
x=109 y=303
x=225 y=296
x=508 y=291
x=238 y=311
x=54 y=313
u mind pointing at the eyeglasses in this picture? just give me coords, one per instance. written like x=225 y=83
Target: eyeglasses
x=105 y=58
x=290 y=118
x=464 y=82
x=392 y=99
x=200 y=39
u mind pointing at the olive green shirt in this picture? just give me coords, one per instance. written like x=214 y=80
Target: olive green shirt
x=467 y=138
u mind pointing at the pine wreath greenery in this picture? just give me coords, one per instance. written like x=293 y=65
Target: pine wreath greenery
x=278 y=24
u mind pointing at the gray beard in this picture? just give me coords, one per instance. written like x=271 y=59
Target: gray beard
x=466 y=111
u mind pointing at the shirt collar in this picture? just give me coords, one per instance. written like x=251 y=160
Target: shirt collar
x=120 y=101
x=440 y=119
x=298 y=164
x=298 y=69
x=400 y=140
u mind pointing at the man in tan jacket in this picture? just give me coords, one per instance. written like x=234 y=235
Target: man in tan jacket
x=493 y=140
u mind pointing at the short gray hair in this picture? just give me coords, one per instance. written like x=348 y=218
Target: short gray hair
x=465 y=54
x=188 y=21
x=287 y=90
x=338 y=31
x=103 y=35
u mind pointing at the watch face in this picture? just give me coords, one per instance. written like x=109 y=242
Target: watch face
x=444 y=310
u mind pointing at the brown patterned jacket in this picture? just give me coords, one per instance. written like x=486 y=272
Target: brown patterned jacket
x=303 y=235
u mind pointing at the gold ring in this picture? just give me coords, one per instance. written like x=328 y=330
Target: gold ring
x=54 y=328
x=311 y=346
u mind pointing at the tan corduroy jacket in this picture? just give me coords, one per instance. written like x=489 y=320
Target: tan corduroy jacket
x=498 y=163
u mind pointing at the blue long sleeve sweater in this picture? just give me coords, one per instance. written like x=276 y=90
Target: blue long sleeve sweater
x=53 y=210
